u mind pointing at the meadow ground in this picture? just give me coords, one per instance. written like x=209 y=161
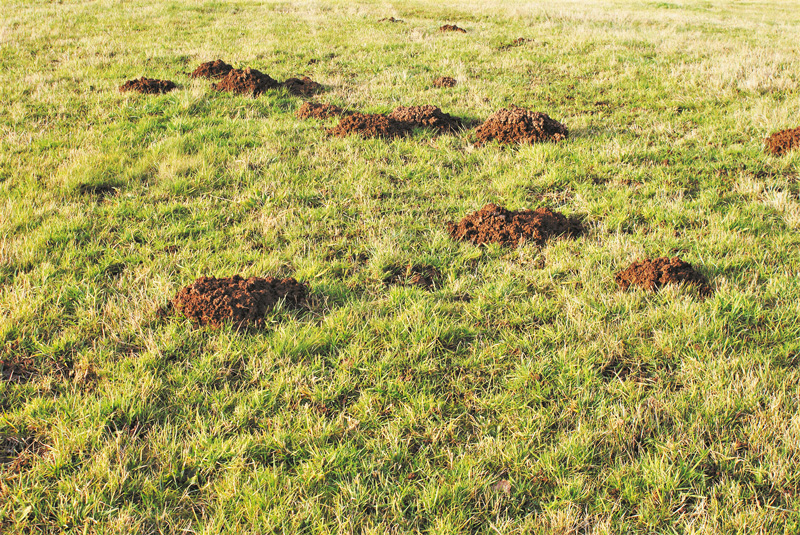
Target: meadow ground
x=520 y=392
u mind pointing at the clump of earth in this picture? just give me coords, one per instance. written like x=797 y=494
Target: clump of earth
x=148 y=86
x=444 y=81
x=212 y=69
x=518 y=125
x=495 y=224
x=782 y=142
x=652 y=274
x=242 y=302
x=302 y=87
x=246 y=82
x=319 y=110
x=452 y=28
x=427 y=116
x=370 y=125
x=421 y=275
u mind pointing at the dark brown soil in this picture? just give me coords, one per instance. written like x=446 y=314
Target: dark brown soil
x=213 y=301
x=495 y=224
x=316 y=110
x=519 y=41
x=212 y=69
x=302 y=87
x=421 y=275
x=18 y=452
x=427 y=116
x=452 y=28
x=246 y=82
x=784 y=141
x=390 y=19
x=652 y=274
x=518 y=125
x=370 y=125
x=148 y=86
x=16 y=369
x=444 y=81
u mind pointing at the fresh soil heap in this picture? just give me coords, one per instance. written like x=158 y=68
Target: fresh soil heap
x=147 y=86
x=302 y=87
x=652 y=274
x=444 y=81
x=423 y=276
x=212 y=69
x=495 y=224
x=318 y=110
x=426 y=116
x=246 y=82
x=370 y=125
x=213 y=301
x=452 y=28
x=784 y=141
x=518 y=125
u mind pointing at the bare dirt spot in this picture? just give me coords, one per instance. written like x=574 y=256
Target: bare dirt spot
x=212 y=69
x=444 y=81
x=495 y=224
x=213 y=301
x=518 y=125
x=428 y=117
x=370 y=125
x=318 y=110
x=421 y=275
x=97 y=190
x=391 y=19
x=16 y=453
x=148 y=86
x=246 y=82
x=519 y=41
x=17 y=369
x=452 y=28
x=302 y=87
x=652 y=274
x=782 y=142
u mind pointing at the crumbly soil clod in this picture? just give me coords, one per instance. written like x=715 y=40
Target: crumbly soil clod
x=212 y=70
x=147 y=86
x=427 y=116
x=370 y=125
x=302 y=87
x=246 y=82
x=782 y=142
x=318 y=110
x=214 y=301
x=652 y=274
x=444 y=81
x=421 y=275
x=518 y=125
x=495 y=224
x=452 y=28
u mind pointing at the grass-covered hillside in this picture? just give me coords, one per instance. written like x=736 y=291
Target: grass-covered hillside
x=426 y=385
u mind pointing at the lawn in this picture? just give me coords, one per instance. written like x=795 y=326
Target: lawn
x=521 y=391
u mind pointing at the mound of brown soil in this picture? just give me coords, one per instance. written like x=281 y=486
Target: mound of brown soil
x=246 y=82
x=212 y=69
x=212 y=301
x=302 y=87
x=784 y=141
x=651 y=274
x=318 y=110
x=444 y=81
x=452 y=28
x=424 y=276
x=370 y=125
x=495 y=224
x=426 y=116
x=390 y=19
x=148 y=86
x=518 y=125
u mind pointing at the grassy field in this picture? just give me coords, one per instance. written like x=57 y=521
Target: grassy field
x=524 y=394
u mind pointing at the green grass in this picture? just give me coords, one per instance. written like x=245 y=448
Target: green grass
x=547 y=402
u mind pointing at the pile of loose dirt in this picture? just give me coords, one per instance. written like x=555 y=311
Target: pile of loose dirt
x=452 y=28
x=246 y=82
x=444 y=81
x=390 y=19
x=495 y=224
x=651 y=274
x=213 y=301
x=427 y=116
x=212 y=69
x=421 y=275
x=148 y=86
x=370 y=125
x=518 y=125
x=302 y=87
x=318 y=110
x=784 y=141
